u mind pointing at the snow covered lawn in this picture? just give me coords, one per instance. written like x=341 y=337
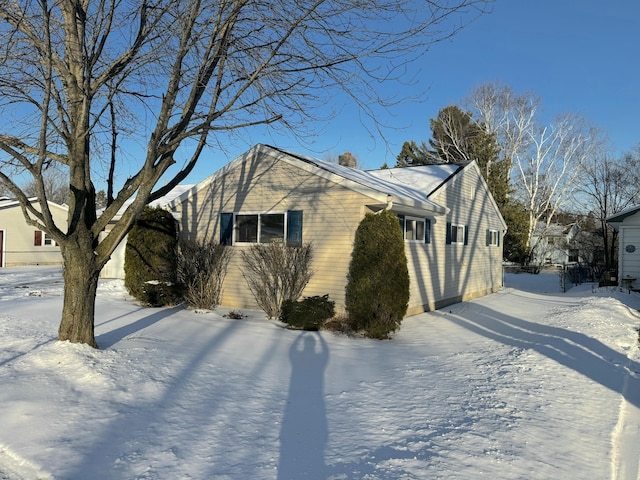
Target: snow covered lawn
x=527 y=383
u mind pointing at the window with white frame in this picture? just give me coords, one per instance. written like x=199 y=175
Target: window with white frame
x=456 y=234
x=42 y=239
x=261 y=227
x=493 y=238
x=415 y=229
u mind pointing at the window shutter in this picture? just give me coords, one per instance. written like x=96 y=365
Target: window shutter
x=427 y=230
x=488 y=237
x=498 y=238
x=448 y=237
x=401 y=220
x=294 y=227
x=466 y=235
x=37 y=238
x=226 y=228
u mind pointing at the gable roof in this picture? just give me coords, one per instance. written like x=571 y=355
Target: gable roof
x=425 y=178
x=160 y=202
x=6 y=202
x=431 y=178
x=553 y=229
x=383 y=192
x=620 y=216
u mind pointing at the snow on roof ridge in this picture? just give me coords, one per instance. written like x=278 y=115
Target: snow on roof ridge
x=426 y=178
x=363 y=177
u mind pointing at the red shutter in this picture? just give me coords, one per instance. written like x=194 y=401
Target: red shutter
x=37 y=238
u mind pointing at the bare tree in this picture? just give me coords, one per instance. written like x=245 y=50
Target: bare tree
x=175 y=75
x=546 y=171
x=606 y=186
x=543 y=160
x=55 y=186
x=509 y=116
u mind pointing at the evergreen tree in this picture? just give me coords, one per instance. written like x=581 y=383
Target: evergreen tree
x=413 y=154
x=377 y=292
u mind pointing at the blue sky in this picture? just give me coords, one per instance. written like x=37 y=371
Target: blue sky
x=579 y=56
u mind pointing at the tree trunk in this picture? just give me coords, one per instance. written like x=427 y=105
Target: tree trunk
x=80 y=285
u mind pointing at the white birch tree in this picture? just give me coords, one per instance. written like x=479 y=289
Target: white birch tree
x=544 y=160
x=546 y=171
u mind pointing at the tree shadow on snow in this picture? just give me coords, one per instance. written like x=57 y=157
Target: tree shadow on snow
x=304 y=432
x=110 y=338
x=574 y=350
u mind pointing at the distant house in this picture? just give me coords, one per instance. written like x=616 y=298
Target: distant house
x=627 y=223
x=452 y=228
x=22 y=244
x=555 y=244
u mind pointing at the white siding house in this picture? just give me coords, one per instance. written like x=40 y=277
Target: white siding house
x=627 y=223
x=554 y=244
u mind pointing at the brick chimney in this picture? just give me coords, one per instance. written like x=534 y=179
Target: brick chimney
x=347 y=160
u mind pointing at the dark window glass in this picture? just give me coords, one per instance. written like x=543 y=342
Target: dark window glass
x=247 y=226
x=272 y=228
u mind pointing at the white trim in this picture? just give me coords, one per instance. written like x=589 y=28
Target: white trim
x=493 y=231
x=424 y=229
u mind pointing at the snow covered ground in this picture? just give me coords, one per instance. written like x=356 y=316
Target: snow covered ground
x=527 y=383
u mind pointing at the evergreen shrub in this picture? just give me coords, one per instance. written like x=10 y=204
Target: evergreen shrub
x=377 y=292
x=309 y=313
x=150 y=259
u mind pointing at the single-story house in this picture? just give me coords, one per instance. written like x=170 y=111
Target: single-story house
x=22 y=244
x=627 y=223
x=452 y=227
x=554 y=244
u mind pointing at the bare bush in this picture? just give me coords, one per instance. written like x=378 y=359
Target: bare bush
x=275 y=273
x=202 y=267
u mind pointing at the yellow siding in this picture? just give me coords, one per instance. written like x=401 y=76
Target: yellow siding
x=19 y=248
x=440 y=274
x=331 y=214
x=443 y=274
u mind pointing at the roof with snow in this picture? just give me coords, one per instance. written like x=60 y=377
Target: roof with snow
x=369 y=179
x=620 y=216
x=425 y=178
x=552 y=230
x=405 y=191
x=160 y=202
x=6 y=202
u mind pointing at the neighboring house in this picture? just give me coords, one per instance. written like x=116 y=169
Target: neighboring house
x=115 y=266
x=453 y=229
x=555 y=244
x=22 y=244
x=627 y=223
